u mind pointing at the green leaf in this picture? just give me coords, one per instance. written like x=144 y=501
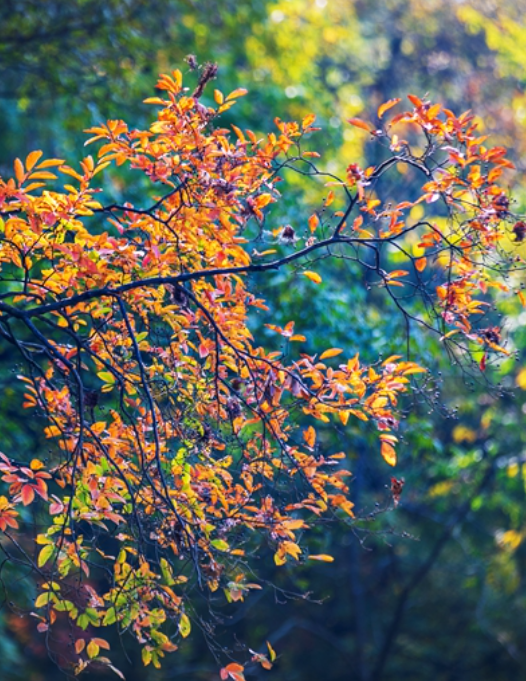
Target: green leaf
x=146 y=656
x=83 y=621
x=110 y=617
x=220 y=544
x=43 y=599
x=167 y=573
x=45 y=554
x=184 y=625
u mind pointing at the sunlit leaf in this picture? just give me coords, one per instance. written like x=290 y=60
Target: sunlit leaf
x=313 y=276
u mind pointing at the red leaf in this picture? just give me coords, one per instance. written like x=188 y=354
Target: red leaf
x=414 y=100
x=28 y=494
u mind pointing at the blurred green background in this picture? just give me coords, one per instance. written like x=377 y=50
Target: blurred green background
x=436 y=588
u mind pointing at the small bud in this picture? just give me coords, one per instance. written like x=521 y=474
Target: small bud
x=192 y=62
x=287 y=235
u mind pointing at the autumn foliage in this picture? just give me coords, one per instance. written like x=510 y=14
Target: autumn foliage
x=179 y=447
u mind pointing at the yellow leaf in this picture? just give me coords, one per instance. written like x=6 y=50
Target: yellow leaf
x=146 y=656
x=391 y=359
x=308 y=120
x=521 y=379
x=292 y=549
x=45 y=554
x=331 y=353
x=388 y=453
x=280 y=558
x=323 y=557
x=240 y=92
x=43 y=599
x=184 y=625
x=52 y=431
x=154 y=100
x=388 y=438
x=313 y=276
x=92 y=650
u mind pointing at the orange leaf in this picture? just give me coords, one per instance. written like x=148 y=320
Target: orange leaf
x=314 y=221
x=323 y=557
x=50 y=163
x=420 y=264
x=309 y=436
x=102 y=643
x=234 y=670
x=42 y=175
x=19 y=170
x=331 y=353
x=358 y=123
x=32 y=158
x=387 y=105
x=414 y=100
x=388 y=453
